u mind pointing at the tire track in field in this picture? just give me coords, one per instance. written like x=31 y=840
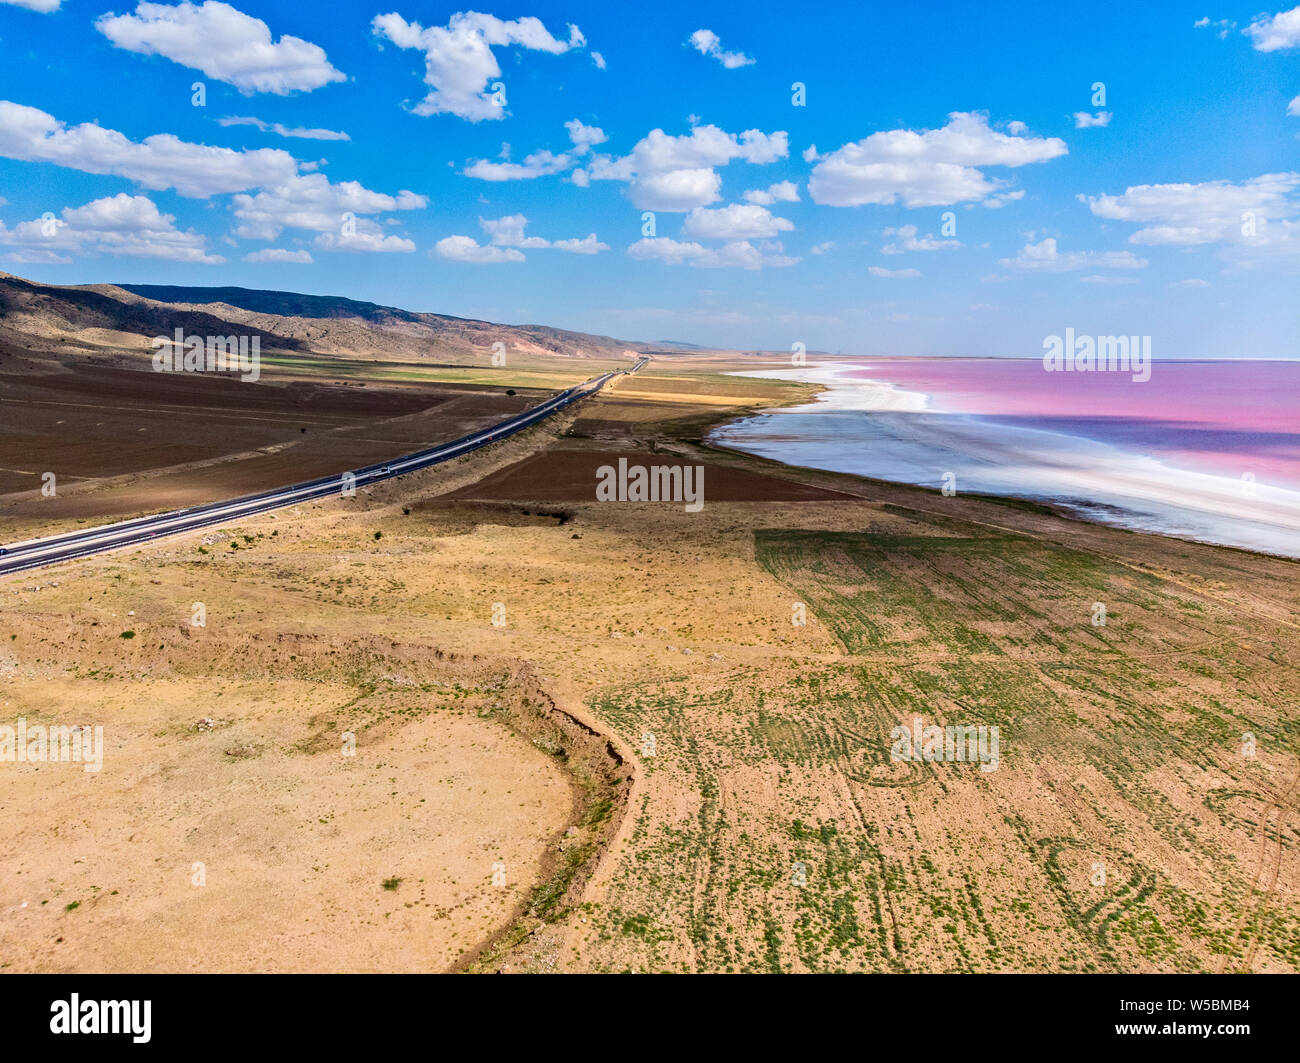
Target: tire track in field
x=1280 y=805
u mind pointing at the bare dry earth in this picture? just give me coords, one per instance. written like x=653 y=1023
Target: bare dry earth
x=229 y=829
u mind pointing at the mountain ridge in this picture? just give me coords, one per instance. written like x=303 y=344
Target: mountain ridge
x=291 y=321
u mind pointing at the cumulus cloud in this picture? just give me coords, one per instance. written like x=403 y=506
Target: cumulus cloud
x=1274 y=33
x=44 y=7
x=1209 y=212
x=283 y=130
x=739 y=221
x=677 y=173
x=509 y=232
x=366 y=236
x=676 y=190
x=1086 y=120
x=906 y=238
x=1293 y=108
x=781 y=192
x=467 y=249
x=584 y=136
x=157 y=162
x=893 y=274
x=538 y=164
x=278 y=254
x=459 y=61
x=115 y=225
x=311 y=201
x=936 y=167
x=541 y=163
x=223 y=43
x=1043 y=257
x=706 y=42
x=740 y=254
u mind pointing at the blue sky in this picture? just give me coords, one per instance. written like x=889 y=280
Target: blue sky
x=1171 y=210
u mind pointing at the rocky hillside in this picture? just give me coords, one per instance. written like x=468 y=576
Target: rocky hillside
x=131 y=315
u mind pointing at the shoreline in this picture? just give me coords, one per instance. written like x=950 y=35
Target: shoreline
x=881 y=431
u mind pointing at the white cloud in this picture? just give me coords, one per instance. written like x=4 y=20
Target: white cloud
x=157 y=162
x=1273 y=33
x=365 y=237
x=599 y=60
x=44 y=7
x=584 y=136
x=223 y=43
x=538 y=164
x=936 y=167
x=822 y=248
x=466 y=249
x=706 y=145
x=1085 y=120
x=278 y=254
x=1098 y=278
x=1293 y=108
x=906 y=238
x=739 y=221
x=460 y=63
x=509 y=232
x=665 y=249
x=1222 y=26
x=781 y=192
x=706 y=42
x=1001 y=199
x=677 y=173
x=1209 y=212
x=1190 y=282
x=677 y=190
x=115 y=225
x=282 y=130
x=893 y=274
x=741 y=254
x=310 y=201
x=1044 y=257
x=542 y=163
x=588 y=245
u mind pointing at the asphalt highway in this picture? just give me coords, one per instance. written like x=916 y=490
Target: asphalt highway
x=36 y=553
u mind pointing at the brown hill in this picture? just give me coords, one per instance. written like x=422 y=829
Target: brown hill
x=95 y=315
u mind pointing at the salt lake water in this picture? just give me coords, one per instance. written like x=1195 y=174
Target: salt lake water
x=1206 y=450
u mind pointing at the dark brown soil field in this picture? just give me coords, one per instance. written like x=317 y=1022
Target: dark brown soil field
x=569 y=475
x=123 y=442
